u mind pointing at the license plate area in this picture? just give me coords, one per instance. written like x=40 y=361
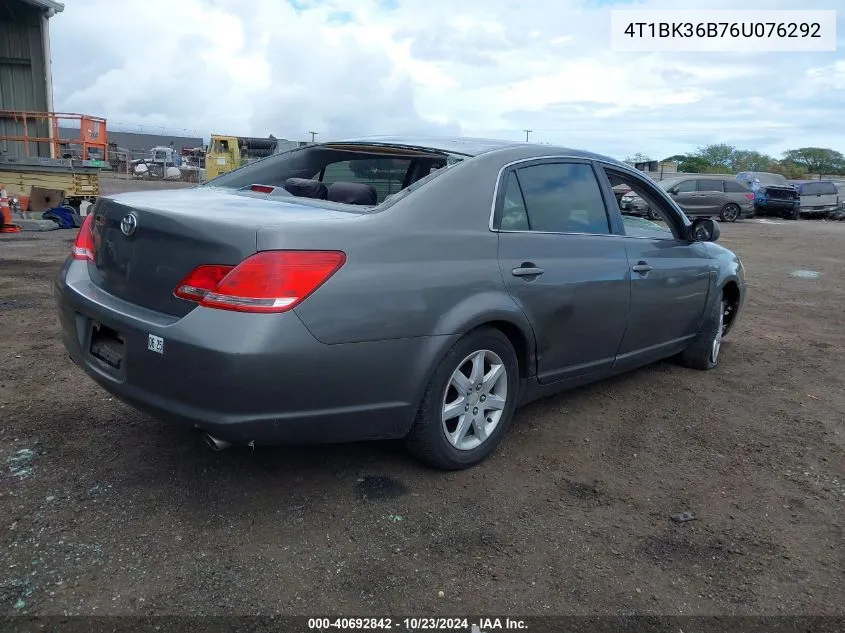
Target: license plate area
x=107 y=347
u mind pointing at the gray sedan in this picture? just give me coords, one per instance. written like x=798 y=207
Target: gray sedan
x=299 y=299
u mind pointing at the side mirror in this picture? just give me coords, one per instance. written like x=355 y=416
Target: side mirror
x=672 y=192
x=704 y=230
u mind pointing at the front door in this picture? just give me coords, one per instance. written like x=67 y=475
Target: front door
x=563 y=267
x=670 y=281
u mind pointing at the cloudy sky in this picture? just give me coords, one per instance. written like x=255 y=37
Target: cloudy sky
x=486 y=68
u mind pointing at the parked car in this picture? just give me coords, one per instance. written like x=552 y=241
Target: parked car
x=698 y=196
x=772 y=193
x=261 y=316
x=818 y=198
x=631 y=204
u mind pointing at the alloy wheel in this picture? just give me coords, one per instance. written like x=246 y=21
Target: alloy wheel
x=474 y=400
x=730 y=213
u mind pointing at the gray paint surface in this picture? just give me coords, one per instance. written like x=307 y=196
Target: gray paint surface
x=352 y=361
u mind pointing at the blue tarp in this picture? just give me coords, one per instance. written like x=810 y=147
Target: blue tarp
x=65 y=217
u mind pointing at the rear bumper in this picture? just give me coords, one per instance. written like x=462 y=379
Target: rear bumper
x=825 y=210
x=247 y=377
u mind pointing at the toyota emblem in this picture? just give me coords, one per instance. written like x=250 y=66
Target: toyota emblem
x=128 y=224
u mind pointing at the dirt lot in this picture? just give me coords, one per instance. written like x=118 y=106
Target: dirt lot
x=104 y=510
x=111 y=184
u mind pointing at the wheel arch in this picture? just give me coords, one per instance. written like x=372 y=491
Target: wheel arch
x=731 y=293
x=492 y=310
x=498 y=310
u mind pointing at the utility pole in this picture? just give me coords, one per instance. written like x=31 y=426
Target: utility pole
x=527 y=132
x=313 y=134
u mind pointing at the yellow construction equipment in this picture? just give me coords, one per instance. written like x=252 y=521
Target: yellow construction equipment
x=226 y=153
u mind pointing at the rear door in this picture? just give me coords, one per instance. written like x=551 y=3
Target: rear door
x=709 y=196
x=562 y=264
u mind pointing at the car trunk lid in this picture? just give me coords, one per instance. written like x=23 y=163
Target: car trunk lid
x=145 y=243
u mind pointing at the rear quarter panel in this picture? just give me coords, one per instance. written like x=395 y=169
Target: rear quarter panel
x=425 y=266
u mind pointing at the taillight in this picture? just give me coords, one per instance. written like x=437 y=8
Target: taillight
x=201 y=281
x=83 y=247
x=749 y=196
x=269 y=281
x=262 y=188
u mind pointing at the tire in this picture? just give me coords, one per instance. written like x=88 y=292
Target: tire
x=791 y=215
x=651 y=214
x=428 y=440
x=730 y=213
x=703 y=352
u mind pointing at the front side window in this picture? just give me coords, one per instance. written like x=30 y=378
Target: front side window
x=563 y=198
x=686 y=186
x=664 y=228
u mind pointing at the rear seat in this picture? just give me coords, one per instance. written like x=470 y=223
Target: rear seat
x=305 y=188
x=353 y=193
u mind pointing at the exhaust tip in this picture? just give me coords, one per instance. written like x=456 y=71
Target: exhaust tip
x=215 y=443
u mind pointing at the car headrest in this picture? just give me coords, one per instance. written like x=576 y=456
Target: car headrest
x=305 y=188
x=353 y=193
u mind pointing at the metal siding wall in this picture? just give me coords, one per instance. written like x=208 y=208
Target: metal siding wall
x=22 y=80
x=140 y=142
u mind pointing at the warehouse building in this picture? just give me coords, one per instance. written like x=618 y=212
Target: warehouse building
x=25 y=77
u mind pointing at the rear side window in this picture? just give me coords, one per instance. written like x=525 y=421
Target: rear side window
x=514 y=214
x=563 y=198
x=710 y=185
x=731 y=186
x=387 y=175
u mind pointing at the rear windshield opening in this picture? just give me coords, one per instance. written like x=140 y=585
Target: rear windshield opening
x=356 y=175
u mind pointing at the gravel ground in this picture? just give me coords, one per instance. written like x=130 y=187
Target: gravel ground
x=104 y=510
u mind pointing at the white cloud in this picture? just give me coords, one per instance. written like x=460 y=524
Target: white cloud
x=478 y=67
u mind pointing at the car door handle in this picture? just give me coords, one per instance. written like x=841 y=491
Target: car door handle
x=527 y=270
x=641 y=268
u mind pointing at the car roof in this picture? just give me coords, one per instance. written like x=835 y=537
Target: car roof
x=809 y=181
x=697 y=177
x=455 y=145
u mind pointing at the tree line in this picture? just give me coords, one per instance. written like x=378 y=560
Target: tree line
x=724 y=158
